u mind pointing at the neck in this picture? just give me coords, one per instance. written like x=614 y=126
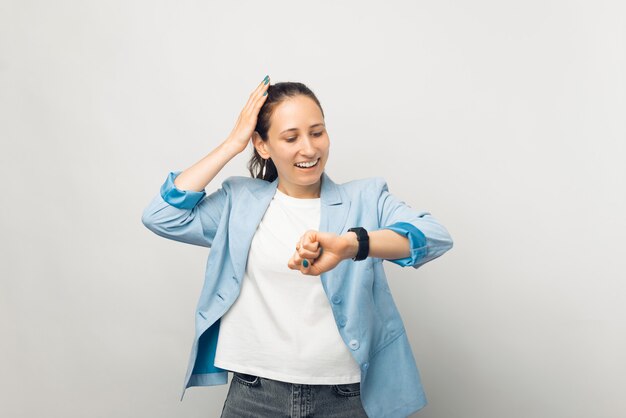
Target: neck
x=311 y=191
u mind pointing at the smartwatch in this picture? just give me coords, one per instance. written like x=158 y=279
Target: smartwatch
x=364 y=243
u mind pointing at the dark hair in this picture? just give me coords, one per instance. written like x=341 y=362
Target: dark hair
x=276 y=94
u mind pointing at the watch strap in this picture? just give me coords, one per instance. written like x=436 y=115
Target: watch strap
x=364 y=243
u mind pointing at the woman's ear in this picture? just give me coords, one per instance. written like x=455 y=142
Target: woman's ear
x=260 y=145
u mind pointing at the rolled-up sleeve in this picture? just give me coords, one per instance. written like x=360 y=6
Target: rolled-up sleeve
x=182 y=199
x=417 y=243
x=428 y=239
x=186 y=216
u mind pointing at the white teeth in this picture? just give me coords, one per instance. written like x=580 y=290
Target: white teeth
x=305 y=165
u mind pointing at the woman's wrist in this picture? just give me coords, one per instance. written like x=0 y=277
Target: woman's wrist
x=352 y=245
x=231 y=148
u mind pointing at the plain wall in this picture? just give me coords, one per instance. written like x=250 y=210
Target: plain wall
x=505 y=120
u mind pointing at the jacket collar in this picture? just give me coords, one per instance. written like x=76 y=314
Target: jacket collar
x=329 y=193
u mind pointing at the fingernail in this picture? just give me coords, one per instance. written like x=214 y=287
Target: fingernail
x=305 y=263
x=265 y=94
x=266 y=79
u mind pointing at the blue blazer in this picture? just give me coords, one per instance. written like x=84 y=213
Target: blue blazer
x=358 y=294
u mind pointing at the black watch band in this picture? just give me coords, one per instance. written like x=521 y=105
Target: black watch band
x=364 y=243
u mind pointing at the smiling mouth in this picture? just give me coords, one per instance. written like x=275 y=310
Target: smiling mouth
x=307 y=168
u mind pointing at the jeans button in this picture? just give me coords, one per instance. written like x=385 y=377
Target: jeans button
x=336 y=299
x=365 y=366
x=354 y=344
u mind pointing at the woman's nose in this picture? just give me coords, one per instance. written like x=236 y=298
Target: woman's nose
x=307 y=146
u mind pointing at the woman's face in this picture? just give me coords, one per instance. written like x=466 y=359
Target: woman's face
x=297 y=134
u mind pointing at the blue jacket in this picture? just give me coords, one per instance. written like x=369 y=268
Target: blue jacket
x=359 y=296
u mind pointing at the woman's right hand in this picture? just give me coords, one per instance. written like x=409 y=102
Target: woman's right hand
x=244 y=127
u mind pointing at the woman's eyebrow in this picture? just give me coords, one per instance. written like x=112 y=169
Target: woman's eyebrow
x=295 y=129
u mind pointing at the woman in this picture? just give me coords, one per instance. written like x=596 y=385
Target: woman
x=295 y=301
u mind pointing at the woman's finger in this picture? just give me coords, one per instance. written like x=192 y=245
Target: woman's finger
x=260 y=87
x=257 y=95
x=309 y=241
x=259 y=102
x=302 y=253
x=252 y=98
x=294 y=262
x=305 y=248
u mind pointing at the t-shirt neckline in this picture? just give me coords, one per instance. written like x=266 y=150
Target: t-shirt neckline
x=296 y=201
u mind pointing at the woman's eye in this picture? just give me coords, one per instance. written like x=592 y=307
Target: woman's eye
x=315 y=134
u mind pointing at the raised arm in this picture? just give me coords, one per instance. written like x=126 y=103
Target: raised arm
x=181 y=211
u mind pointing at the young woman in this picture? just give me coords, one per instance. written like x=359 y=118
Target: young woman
x=295 y=301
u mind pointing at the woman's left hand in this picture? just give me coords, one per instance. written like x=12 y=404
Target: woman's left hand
x=322 y=251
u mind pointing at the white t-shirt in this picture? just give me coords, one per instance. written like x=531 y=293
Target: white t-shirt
x=281 y=326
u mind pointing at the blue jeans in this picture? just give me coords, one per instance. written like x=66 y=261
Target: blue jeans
x=252 y=396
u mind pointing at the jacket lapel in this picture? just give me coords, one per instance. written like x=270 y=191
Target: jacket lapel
x=248 y=210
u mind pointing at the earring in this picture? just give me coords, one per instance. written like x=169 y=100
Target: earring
x=264 y=164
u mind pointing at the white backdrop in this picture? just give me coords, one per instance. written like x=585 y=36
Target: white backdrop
x=504 y=119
